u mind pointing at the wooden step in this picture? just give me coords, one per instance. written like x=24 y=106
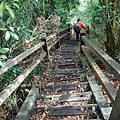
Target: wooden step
x=68 y=97
x=69 y=110
x=66 y=71
x=67 y=86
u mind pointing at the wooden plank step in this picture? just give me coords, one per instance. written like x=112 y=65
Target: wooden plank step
x=74 y=107
x=69 y=65
x=70 y=48
x=81 y=78
x=68 y=97
x=67 y=86
x=66 y=61
x=69 y=112
x=67 y=52
x=66 y=71
x=66 y=56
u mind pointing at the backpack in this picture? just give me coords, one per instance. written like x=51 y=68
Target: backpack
x=77 y=28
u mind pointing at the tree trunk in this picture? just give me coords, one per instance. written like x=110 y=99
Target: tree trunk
x=43 y=2
x=111 y=44
x=110 y=25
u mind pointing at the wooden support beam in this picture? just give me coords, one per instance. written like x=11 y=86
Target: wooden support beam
x=50 y=46
x=28 y=104
x=62 y=36
x=97 y=92
x=105 y=58
x=64 y=29
x=16 y=83
x=20 y=57
x=100 y=75
x=50 y=37
x=45 y=46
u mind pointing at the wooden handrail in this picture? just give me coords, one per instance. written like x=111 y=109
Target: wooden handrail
x=20 y=57
x=62 y=36
x=105 y=58
x=50 y=37
x=16 y=83
x=63 y=30
x=100 y=75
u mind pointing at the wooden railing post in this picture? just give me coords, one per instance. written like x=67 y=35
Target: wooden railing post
x=57 y=45
x=45 y=47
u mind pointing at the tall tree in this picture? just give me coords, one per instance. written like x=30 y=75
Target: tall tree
x=111 y=43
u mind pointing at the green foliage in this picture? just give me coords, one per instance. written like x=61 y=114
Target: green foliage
x=118 y=57
x=10 y=75
x=2 y=56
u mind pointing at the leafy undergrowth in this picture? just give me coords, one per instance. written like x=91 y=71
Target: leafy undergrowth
x=11 y=106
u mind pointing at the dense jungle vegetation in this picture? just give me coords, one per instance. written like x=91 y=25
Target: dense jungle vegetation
x=18 y=18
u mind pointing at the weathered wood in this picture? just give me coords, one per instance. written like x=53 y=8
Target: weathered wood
x=97 y=92
x=45 y=46
x=50 y=46
x=69 y=76
x=100 y=75
x=67 y=52
x=64 y=61
x=50 y=37
x=64 y=29
x=74 y=107
x=62 y=36
x=16 y=83
x=106 y=59
x=81 y=78
x=99 y=97
x=28 y=104
x=67 y=71
x=69 y=97
x=69 y=112
x=67 y=56
x=20 y=57
x=115 y=113
x=67 y=86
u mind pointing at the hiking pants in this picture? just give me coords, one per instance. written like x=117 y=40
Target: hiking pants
x=77 y=36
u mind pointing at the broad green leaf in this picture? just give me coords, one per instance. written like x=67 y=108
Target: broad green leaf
x=2 y=8
x=10 y=11
x=2 y=64
x=16 y=5
x=12 y=29
x=2 y=23
x=3 y=57
x=7 y=35
x=9 y=20
x=4 y=50
x=14 y=35
x=3 y=29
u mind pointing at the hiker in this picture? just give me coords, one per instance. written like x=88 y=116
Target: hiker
x=77 y=27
